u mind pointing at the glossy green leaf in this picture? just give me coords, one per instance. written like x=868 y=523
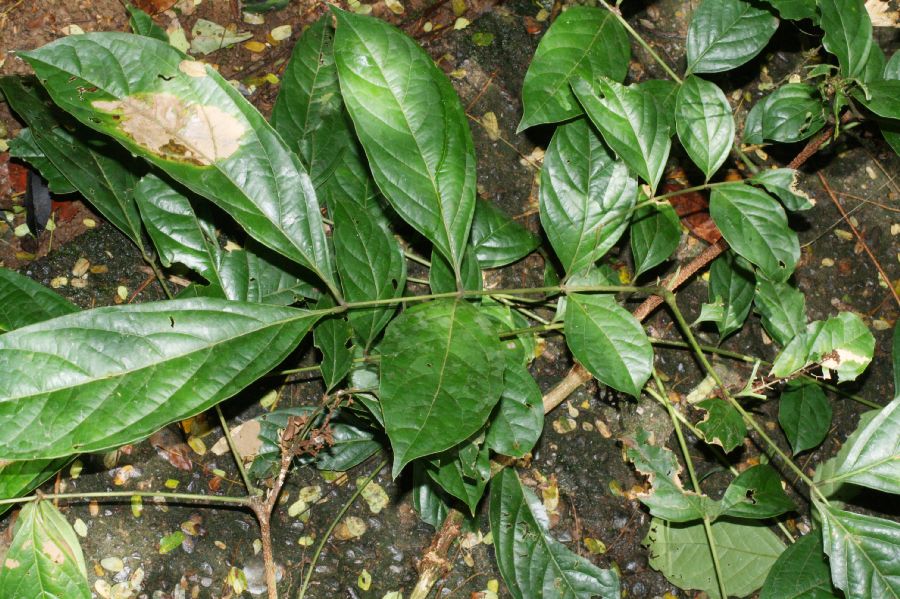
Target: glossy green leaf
x=731 y=281
x=441 y=375
x=608 y=341
x=630 y=123
x=586 y=196
x=848 y=33
x=704 y=123
x=841 y=344
x=890 y=128
x=791 y=113
x=257 y=274
x=100 y=171
x=413 y=128
x=782 y=308
x=465 y=482
x=782 y=183
x=430 y=501
x=533 y=563
x=24 y=147
x=873 y=458
x=756 y=227
x=863 y=552
x=518 y=420
x=24 y=302
x=497 y=239
x=804 y=414
x=20 y=478
x=892 y=67
x=211 y=139
x=874 y=69
x=584 y=42
x=681 y=552
x=354 y=443
x=44 y=560
x=121 y=373
x=756 y=493
x=722 y=425
x=331 y=336
x=725 y=34
x=309 y=113
x=796 y=9
x=824 y=473
x=881 y=97
x=655 y=233
x=801 y=572
x=142 y=24
x=442 y=279
x=665 y=94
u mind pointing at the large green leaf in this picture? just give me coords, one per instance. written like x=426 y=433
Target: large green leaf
x=497 y=239
x=863 y=552
x=308 y=113
x=655 y=233
x=608 y=341
x=185 y=118
x=118 y=374
x=533 y=563
x=804 y=415
x=841 y=344
x=413 y=128
x=24 y=147
x=586 y=196
x=441 y=375
x=873 y=457
x=731 y=282
x=791 y=113
x=756 y=227
x=24 y=302
x=583 y=42
x=629 y=120
x=881 y=97
x=801 y=572
x=725 y=34
x=704 y=123
x=782 y=308
x=44 y=560
x=681 y=552
x=848 y=33
x=18 y=478
x=100 y=171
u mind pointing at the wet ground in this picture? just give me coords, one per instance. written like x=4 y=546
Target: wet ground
x=579 y=458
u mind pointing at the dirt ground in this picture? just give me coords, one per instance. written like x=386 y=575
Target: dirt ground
x=579 y=454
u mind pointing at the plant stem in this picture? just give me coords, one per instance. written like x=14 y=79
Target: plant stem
x=312 y=564
x=637 y=37
x=191 y=497
x=238 y=459
x=160 y=277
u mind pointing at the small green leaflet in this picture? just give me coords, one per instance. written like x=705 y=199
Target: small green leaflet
x=725 y=34
x=704 y=123
x=731 y=281
x=722 y=424
x=170 y=542
x=796 y=9
x=497 y=239
x=25 y=147
x=332 y=337
x=841 y=344
x=791 y=113
x=533 y=563
x=782 y=308
x=804 y=414
x=430 y=501
x=655 y=233
x=848 y=33
x=461 y=479
x=583 y=42
x=45 y=558
x=441 y=375
x=801 y=572
x=142 y=24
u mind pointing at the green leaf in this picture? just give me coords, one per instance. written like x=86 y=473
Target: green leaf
x=331 y=336
x=841 y=344
x=629 y=120
x=271 y=426
x=722 y=425
x=100 y=171
x=681 y=552
x=791 y=113
x=874 y=69
x=413 y=128
x=608 y=341
x=309 y=113
x=142 y=24
x=796 y=9
x=804 y=415
x=430 y=501
x=586 y=196
x=354 y=443
x=519 y=417
x=756 y=227
x=895 y=353
x=756 y=493
x=583 y=42
x=881 y=97
x=44 y=559
x=532 y=563
x=863 y=552
x=704 y=123
x=892 y=67
x=782 y=308
x=891 y=128
x=731 y=280
x=873 y=458
x=665 y=94
x=257 y=274
x=667 y=497
x=725 y=34
x=121 y=373
x=449 y=470
x=782 y=183
x=441 y=375
x=497 y=239
x=824 y=473
x=655 y=233
x=24 y=147
x=212 y=140
x=848 y=33
x=24 y=302
x=801 y=572
x=441 y=277
x=20 y=478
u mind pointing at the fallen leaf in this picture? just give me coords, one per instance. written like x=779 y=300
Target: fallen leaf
x=207 y=37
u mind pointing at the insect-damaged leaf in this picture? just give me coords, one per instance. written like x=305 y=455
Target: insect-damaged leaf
x=120 y=373
x=186 y=119
x=722 y=424
x=841 y=344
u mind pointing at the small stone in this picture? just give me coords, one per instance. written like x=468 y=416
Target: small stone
x=58 y=282
x=81 y=267
x=112 y=564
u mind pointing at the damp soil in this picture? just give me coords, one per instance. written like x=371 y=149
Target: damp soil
x=579 y=457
